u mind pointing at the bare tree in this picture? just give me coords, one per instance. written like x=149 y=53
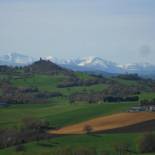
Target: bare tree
x=88 y=129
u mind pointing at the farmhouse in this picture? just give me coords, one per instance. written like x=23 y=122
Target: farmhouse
x=148 y=108
x=151 y=108
x=136 y=109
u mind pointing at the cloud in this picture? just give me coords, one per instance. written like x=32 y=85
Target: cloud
x=145 y=51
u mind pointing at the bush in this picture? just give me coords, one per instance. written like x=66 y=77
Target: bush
x=147 y=143
x=31 y=123
x=122 y=148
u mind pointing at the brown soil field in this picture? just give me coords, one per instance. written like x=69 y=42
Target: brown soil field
x=147 y=126
x=109 y=123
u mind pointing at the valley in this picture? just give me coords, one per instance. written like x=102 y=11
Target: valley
x=77 y=77
x=46 y=107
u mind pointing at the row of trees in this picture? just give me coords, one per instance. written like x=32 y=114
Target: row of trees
x=32 y=129
x=74 y=82
x=121 y=99
x=121 y=90
x=14 y=95
x=147 y=102
x=100 y=96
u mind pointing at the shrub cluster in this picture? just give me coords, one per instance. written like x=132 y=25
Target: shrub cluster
x=32 y=129
x=147 y=143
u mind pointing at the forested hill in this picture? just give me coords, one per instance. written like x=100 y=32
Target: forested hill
x=44 y=82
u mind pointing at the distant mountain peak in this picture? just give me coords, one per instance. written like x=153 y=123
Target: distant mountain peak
x=90 y=63
x=15 y=59
x=89 y=60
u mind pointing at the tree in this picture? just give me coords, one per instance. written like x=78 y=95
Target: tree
x=88 y=129
x=147 y=143
x=122 y=148
x=31 y=123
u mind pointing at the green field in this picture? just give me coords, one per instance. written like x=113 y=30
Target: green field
x=101 y=142
x=57 y=115
x=50 y=83
x=64 y=114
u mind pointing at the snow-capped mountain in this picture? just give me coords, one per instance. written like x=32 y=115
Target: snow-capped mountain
x=91 y=64
x=15 y=59
x=95 y=63
x=99 y=64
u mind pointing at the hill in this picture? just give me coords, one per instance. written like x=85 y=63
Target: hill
x=45 y=67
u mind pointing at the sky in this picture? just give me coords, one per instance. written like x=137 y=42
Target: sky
x=122 y=31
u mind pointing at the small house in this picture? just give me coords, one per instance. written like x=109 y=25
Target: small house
x=148 y=108
x=136 y=109
x=152 y=108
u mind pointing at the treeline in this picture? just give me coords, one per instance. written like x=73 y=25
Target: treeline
x=97 y=97
x=86 y=97
x=9 y=70
x=14 y=95
x=113 y=93
x=121 y=90
x=32 y=129
x=74 y=82
x=130 y=77
x=147 y=102
x=121 y=99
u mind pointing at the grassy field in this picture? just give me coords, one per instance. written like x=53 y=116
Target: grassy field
x=66 y=114
x=57 y=115
x=50 y=83
x=102 y=143
x=60 y=115
x=43 y=82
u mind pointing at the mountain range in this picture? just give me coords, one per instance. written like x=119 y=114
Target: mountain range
x=89 y=64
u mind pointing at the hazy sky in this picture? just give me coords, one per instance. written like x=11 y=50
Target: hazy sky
x=118 y=30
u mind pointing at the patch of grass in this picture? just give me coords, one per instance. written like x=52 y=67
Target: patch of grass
x=57 y=115
x=43 y=82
